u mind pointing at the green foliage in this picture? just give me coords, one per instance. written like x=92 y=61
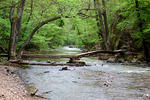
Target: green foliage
x=73 y=29
x=131 y=21
x=4 y=25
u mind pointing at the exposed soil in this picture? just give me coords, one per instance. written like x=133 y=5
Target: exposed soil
x=11 y=86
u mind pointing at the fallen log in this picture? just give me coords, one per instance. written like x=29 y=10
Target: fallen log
x=66 y=56
x=52 y=64
x=3 y=55
x=42 y=56
x=98 y=51
x=47 y=56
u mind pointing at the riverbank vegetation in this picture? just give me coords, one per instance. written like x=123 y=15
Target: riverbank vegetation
x=90 y=24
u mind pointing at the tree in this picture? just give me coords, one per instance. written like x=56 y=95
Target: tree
x=30 y=24
x=20 y=52
x=15 y=21
x=16 y=26
x=102 y=24
x=141 y=29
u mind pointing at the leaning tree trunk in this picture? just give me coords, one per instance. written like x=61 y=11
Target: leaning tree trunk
x=15 y=29
x=20 y=52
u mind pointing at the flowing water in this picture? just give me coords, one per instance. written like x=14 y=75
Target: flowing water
x=99 y=81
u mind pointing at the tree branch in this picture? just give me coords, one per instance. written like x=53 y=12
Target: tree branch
x=33 y=32
x=84 y=15
x=29 y=16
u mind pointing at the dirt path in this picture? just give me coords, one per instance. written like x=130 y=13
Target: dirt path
x=11 y=86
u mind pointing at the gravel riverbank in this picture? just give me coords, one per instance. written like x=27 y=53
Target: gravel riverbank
x=11 y=85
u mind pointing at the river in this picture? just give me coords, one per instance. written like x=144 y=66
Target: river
x=98 y=81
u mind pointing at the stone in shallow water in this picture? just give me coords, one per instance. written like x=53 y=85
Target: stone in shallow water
x=48 y=61
x=76 y=62
x=63 y=68
x=146 y=97
x=46 y=72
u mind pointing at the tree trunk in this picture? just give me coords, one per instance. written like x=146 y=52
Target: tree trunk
x=98 y=24
x=12 y=41
x=106 y=25
x=31 y=11
x=15 y=29
x=101 y=27
x=20 y=52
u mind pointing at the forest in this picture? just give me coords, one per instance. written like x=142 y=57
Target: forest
x=74 y=49
x=89 y=24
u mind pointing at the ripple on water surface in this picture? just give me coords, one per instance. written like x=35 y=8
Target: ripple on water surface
x=99 y=81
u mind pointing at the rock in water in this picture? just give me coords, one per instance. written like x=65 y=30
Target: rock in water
x=48 y=61
x=64 y=68
x=146 y=97
x=46 y=72
x=76 y=62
